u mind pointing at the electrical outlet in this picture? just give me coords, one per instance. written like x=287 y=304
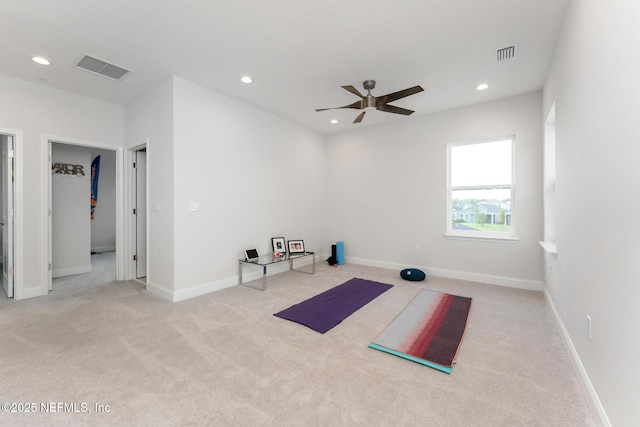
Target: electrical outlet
x=418 y=247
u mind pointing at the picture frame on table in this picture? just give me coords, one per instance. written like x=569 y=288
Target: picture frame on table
x=295 y=246
x=279 y=245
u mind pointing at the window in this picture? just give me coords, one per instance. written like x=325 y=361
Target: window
x=480 y=189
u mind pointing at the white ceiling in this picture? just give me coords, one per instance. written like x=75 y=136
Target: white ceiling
x=298 y=52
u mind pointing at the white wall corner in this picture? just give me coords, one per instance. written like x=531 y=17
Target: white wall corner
x=587 y=386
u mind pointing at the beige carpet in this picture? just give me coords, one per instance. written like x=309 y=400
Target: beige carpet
x=103 y=270
x=223 y=359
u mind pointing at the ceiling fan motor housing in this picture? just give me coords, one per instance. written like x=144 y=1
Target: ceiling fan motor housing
x=369 y=84
x=369 y=100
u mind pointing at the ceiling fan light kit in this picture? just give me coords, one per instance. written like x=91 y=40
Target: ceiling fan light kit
x=380 y=103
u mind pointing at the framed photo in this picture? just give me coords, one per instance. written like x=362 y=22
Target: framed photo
x=278 y=245
x=295 y=246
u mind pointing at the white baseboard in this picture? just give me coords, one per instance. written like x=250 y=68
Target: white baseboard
x=249 y=274
x=254 y=273
x=159 y=291
x=577 y=363
x=511 y=282
x=196 y=291
x=104 y=249
x=81 y=269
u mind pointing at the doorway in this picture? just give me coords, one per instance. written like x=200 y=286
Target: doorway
x=139 y=203
x=11 y=213
x=7 y=201
x=78 y=156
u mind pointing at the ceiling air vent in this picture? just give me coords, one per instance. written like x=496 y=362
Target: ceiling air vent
x=98 y=66
x=506 y=53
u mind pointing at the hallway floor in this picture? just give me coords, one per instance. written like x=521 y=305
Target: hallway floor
x=104 y=271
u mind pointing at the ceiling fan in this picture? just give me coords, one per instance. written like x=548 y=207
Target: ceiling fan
x=379 y=102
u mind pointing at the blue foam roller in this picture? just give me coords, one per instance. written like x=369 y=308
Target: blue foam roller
x=340 y=253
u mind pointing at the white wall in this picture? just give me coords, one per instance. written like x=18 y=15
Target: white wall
x=253 y=175
x=38 y=110
x=594 y=82
x=103 y=226
x=70 y=212
x=151 y=117
x=386 y=191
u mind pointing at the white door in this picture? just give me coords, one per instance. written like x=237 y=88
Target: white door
x=7 y=214
x=141 y=214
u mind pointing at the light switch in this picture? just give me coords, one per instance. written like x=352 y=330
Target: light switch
x=156 y=206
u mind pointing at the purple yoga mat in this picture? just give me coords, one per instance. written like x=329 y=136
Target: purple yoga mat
x=324 y=311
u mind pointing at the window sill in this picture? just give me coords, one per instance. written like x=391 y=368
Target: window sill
x=549 y=247
x=507 y=239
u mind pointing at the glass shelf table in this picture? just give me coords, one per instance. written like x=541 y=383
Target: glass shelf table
x=267 y=260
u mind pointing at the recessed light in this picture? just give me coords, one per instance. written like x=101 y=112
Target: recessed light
x=40 y=60
x=482 y=86
x=334 y=121
x=246 y=79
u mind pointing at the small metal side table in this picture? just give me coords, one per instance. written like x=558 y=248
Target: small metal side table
x=267 y=260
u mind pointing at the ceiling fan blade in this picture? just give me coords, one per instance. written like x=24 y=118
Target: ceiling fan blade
x=393 y=109
x=353 y=90
x=356 y=105
x=398 y=95
x=359 y=118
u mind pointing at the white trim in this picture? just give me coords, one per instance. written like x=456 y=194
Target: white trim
x=594 y=400
x=483 y=237
x=205 y=288
x=18 y=213
x=510 y=282
x=119 y=213
x=129 y=219
x=63 y=272
x=159 y=291
x=110 y=248
x=45 y=186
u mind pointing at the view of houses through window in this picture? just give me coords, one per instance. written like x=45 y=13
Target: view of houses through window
x=481 y=189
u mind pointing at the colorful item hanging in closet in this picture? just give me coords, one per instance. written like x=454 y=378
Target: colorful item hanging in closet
x=95 y=173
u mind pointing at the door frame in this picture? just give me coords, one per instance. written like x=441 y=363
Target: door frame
x=18 y=213
x=46 y=179
x=130 y=232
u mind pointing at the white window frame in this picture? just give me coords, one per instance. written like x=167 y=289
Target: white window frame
x=450 y=232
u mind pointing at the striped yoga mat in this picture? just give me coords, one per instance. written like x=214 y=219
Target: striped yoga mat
x=429 y=330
